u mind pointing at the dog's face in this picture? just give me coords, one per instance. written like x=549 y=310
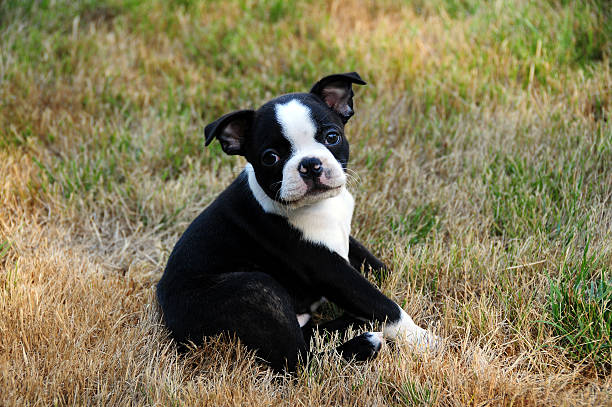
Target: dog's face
x=296 y=142
x=298 y=149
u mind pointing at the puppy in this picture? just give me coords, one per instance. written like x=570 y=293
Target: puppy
x=276 y=243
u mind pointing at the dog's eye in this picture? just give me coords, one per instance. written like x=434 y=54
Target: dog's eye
x=332 y=138
x=269 y=158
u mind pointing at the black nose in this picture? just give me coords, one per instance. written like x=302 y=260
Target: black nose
x=310 y=167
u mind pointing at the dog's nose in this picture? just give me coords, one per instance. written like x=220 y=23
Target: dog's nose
x=310 y=167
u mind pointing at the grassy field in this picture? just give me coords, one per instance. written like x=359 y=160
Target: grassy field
x=483 y=148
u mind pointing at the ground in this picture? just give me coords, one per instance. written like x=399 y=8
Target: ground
x=481 y=166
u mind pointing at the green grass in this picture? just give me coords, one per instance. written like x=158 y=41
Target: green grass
x=580 y=309
x=416 y=394
x=527 y=200
x=417 y=224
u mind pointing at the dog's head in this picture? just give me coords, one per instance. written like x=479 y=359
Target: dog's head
x=295 y=143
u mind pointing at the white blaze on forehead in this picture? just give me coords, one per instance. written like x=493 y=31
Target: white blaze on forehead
x=299 y=128
x=297 y=124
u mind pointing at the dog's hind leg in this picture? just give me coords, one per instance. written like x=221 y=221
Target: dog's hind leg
x=340 y=324
x=251 y=305
x=362 y=347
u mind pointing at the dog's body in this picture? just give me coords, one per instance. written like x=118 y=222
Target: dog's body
x=276 y=242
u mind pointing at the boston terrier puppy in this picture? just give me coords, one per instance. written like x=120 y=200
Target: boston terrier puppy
x=276 y=243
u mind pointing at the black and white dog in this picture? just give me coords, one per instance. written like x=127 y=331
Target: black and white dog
x=276 y=243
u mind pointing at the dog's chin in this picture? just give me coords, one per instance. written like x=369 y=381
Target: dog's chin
x=312 y=196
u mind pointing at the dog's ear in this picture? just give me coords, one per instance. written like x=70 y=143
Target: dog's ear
x=231 y=130
x=337 y=92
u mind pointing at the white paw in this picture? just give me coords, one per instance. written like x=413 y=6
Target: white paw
x=406 y=330
x=375 y=338
x=424 y=341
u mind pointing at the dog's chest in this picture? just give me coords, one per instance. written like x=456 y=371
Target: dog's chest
x=327 y=222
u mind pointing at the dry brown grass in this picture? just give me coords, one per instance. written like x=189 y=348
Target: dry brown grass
x=498 y=153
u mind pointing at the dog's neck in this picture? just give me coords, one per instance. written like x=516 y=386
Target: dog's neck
x=326 y=222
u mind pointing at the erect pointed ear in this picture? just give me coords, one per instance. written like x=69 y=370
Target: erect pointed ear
x=337 y=92
x=230 y=130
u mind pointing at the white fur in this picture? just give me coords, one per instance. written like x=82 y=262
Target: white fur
x=305 y=317
x=299 y=128
x=375 y=338
x=407 y=330
x=268 y=204
x=302 y=319
x=326 y=222
x=315 y=305
x=297 y=124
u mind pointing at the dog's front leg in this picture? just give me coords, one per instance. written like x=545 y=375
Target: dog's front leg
x=344 y=285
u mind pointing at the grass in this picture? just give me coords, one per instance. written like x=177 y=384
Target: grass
x=581 y=310
x=483 y=152
x=418 y=223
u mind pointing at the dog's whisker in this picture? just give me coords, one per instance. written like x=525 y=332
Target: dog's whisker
x=353 y=173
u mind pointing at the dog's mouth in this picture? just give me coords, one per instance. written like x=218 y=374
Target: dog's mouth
x=317 y=187
x=321 y=189
x=314 y=193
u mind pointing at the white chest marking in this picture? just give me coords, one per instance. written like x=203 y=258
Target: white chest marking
x=327 y=222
